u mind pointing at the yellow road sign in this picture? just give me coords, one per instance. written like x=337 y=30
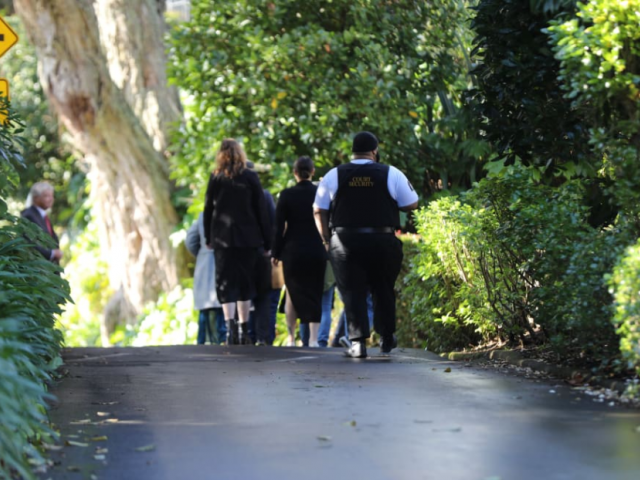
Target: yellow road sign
x=8 y=38
x=4 y=93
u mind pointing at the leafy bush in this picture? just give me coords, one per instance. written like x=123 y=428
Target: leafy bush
x=625 y=283
x=516 y=260
x=430 y=314
x=169 y=321
x=519 y=96
x=89 y=282
x=30 y=296
x=599 y=51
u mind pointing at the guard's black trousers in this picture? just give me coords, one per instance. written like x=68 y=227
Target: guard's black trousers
x=365 y=262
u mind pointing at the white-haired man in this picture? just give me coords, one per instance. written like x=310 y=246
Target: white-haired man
x=42 y=200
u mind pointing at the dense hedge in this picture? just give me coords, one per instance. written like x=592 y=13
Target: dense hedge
x=31 y=294
x=626 y=283
x=511 y=260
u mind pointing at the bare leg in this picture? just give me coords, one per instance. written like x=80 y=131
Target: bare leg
x=244 y=308
x=229 y=310
x=292 y=317
x=314 y=328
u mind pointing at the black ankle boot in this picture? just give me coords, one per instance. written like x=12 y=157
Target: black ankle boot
x=245 y=339
x=232 y=332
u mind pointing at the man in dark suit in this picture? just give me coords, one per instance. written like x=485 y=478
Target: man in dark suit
x=42 y=201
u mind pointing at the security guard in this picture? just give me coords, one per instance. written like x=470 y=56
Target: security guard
x=357 y=213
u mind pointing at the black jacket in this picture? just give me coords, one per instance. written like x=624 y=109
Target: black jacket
x=235 y=212
x=295 y=212
x=32 y=214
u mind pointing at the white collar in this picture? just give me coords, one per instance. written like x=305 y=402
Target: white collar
x=361 y=161
x=43 y=213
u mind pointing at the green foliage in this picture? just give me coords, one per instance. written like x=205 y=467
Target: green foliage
x=625 y=283
x=45 y=155
x=169 y=321
x=600 y=56
x=519 y=95
x=516 y=259
x=88 y=278
x=301 y=77
x=431 y=313
x=29 y=342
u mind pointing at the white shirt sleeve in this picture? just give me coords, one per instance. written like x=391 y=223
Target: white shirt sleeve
x=327 y=190
x=400 y=188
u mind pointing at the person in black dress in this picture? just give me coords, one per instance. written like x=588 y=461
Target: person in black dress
x=237 y=227
x=299 y=246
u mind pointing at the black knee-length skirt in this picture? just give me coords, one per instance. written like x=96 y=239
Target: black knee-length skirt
x=304 y=279
x=241 y=273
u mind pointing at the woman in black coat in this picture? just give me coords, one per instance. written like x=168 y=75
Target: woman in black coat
x=299 y=246
x=237 y=228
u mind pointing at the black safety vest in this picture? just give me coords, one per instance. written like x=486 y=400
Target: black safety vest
x=363 y=198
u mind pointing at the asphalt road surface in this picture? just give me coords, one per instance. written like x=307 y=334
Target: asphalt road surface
x=262 y=413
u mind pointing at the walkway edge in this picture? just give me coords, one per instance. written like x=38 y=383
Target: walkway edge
x=570 y=374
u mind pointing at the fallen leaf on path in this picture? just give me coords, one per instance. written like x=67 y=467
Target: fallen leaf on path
x=103 y=414
x=324 y=438
x=112 y=420
x=447 y=370
x=105 y=403
x=73 y=468
x=101 y=451
x=146 y=448
x=102 y=438
x=81 y=422
x=99 y=457
x=352 y=423
x=320 y=386
x=50 y=447
x=76 y=444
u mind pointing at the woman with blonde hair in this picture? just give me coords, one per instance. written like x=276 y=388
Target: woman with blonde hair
x=237 y=228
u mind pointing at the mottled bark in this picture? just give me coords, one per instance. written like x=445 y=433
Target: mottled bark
x=129 y=178
x=132 y=36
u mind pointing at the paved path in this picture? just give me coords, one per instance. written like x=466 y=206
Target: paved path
x=303 y=414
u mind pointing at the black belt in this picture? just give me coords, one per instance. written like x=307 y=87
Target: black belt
x=364 y=230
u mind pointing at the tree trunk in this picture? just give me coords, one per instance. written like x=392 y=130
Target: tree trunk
x=129 y=178
x=132 y=37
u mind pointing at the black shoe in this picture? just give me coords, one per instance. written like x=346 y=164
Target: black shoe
x=387 y=344
x=244 y=338
x=232 y=332
x=357 y=349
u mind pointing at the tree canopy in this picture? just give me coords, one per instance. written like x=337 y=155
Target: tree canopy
x=301 y=77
